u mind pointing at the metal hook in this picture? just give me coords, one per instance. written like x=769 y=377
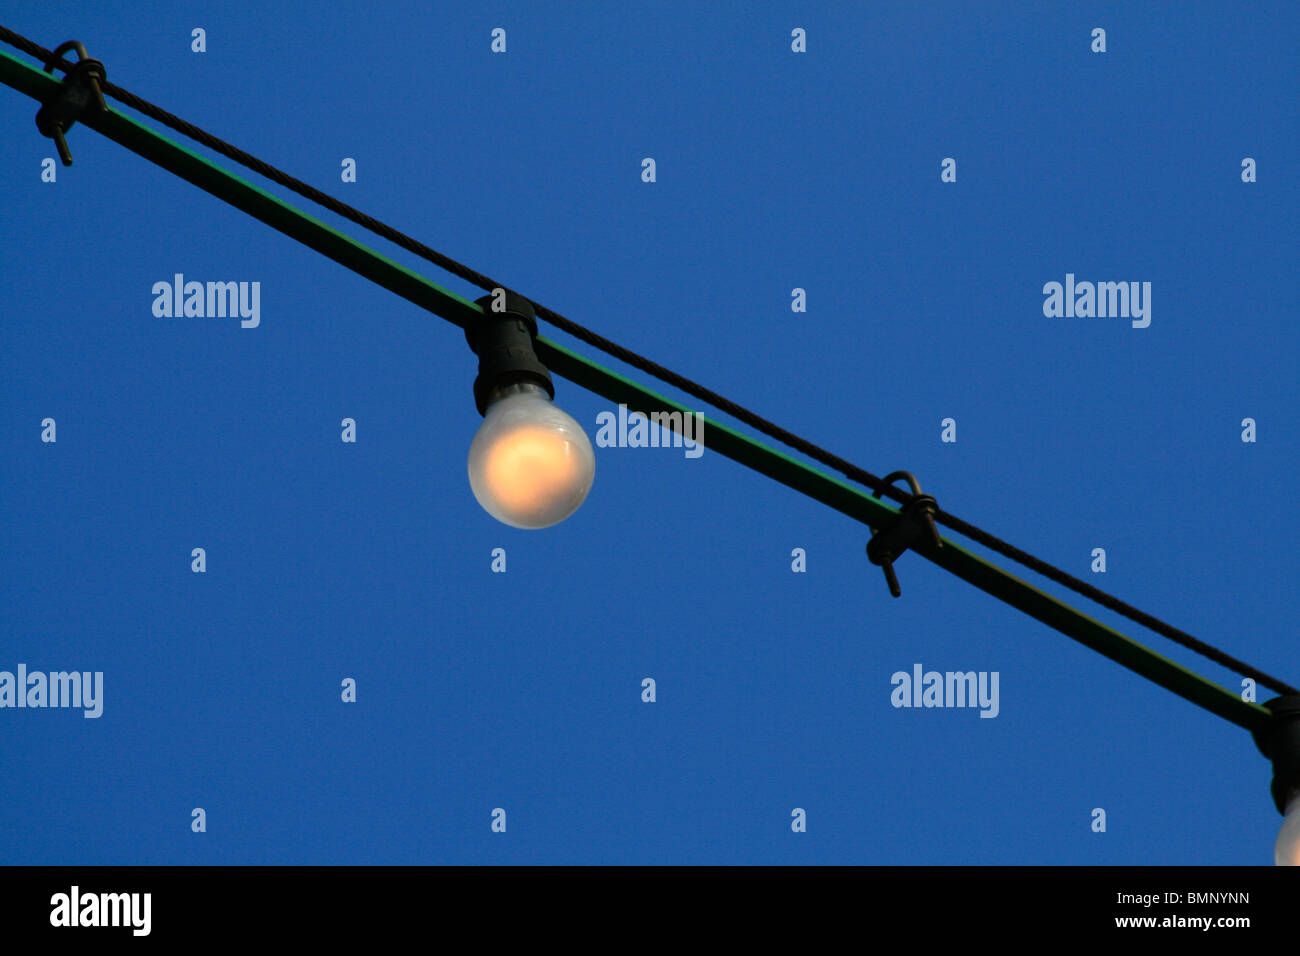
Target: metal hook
x=80 y=88
x=916 y=518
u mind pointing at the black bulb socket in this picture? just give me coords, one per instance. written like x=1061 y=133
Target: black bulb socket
x=505 y=343
x=1279 y=741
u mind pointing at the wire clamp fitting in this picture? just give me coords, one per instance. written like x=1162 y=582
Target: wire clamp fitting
x=915 y=520
x=78 y=91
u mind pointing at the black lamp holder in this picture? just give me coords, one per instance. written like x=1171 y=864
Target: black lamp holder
x=1279 y=741
x=504 y=341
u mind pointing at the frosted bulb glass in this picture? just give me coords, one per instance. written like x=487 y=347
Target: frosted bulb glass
x=1287 y=850
x=530 y=465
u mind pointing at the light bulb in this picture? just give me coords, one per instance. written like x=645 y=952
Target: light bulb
x=1287 y=850
x=530 y=465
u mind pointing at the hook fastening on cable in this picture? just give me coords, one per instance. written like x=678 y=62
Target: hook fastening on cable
x=80 y=89
x=915 y=519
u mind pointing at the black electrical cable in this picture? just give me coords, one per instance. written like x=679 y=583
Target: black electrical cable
x=848 y=469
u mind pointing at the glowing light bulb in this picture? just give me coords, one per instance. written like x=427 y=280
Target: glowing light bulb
x=530 y=465
x=1287 y=850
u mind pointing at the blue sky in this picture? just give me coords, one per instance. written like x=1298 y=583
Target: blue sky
x=522 y=690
